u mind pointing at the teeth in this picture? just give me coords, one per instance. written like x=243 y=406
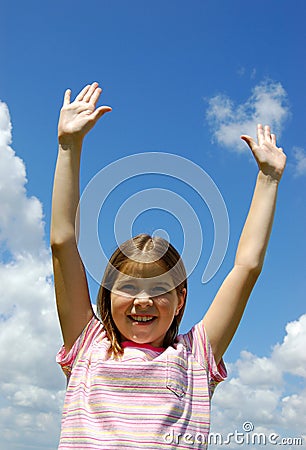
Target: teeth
x=142 y=318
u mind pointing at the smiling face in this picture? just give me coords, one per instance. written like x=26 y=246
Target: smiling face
x=141 y=258
x=144 y=302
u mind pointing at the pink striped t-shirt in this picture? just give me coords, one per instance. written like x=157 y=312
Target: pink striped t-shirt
x=149 y=399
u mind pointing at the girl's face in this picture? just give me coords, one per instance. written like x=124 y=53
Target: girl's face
x=143 y=308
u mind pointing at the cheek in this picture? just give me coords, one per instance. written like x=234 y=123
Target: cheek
x=167 y=306
x=118 y=305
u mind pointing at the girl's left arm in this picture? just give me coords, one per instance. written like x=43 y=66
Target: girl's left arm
x=225 y=312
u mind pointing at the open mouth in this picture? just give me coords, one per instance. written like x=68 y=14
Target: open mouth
x=142 y=319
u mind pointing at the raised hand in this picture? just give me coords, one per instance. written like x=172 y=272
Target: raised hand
x=80 y=116
x=271 y=159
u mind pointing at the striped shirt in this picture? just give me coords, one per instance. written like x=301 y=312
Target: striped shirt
x=151 y=398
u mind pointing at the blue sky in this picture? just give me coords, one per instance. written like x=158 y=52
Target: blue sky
x=182 y=78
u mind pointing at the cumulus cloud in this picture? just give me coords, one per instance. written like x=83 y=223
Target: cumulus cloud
x=31 y=389
x=299 y=161
x=290 y=356
x=257 y=390
x=268 y=104
x=21 y=219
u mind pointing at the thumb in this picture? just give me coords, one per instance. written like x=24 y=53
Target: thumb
x=100 y=111
x=250 y=141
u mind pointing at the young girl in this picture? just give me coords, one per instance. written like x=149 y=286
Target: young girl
x=133 y=382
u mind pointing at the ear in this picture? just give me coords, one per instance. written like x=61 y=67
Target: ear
x=181 y=300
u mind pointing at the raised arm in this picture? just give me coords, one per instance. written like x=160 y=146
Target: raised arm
x=225 y=312
x=72 y=296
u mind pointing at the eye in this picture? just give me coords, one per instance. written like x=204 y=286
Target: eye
x=158 y=290
x=128 y=288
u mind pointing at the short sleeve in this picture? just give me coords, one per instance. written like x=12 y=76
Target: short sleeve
x=197 y=342
x=83 y=342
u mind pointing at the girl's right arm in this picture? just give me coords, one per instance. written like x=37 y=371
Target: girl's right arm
x=71 y=289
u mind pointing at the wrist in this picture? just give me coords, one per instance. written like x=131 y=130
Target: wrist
x=268 y=178
x=70 y=142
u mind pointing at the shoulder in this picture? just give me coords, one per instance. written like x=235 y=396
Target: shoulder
x=93 y=333
x=197 y=343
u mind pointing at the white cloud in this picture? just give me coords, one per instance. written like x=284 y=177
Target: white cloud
x=290 y=356
x=299 y=165
x=31 y=388
x=256 y=390
x=21 y=224
x=267 y=104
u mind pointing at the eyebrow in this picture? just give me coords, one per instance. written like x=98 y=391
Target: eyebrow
x=164 y=283
x=128 y=278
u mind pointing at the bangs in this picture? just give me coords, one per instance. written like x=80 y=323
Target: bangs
x=145 y=257
x=136 y=269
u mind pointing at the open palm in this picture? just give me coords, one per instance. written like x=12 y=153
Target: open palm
x=80 y=116
x=271 y=159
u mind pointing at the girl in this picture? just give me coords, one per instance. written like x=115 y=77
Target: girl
x=133 y=382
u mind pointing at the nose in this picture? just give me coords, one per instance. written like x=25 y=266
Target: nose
x=143 y=300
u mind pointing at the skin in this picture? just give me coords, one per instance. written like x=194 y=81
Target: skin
x=132 y=298
x=221 y=320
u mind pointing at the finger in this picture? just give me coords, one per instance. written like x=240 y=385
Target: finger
x=273 y=139
x=95 y=96
x=67 y=97
x=260 y=134
x=250 y=141
x=83 y=92
x=267 y=133
x=89 y=93
x=99 y=112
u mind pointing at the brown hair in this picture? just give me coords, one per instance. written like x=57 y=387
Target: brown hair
x=140 y=249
